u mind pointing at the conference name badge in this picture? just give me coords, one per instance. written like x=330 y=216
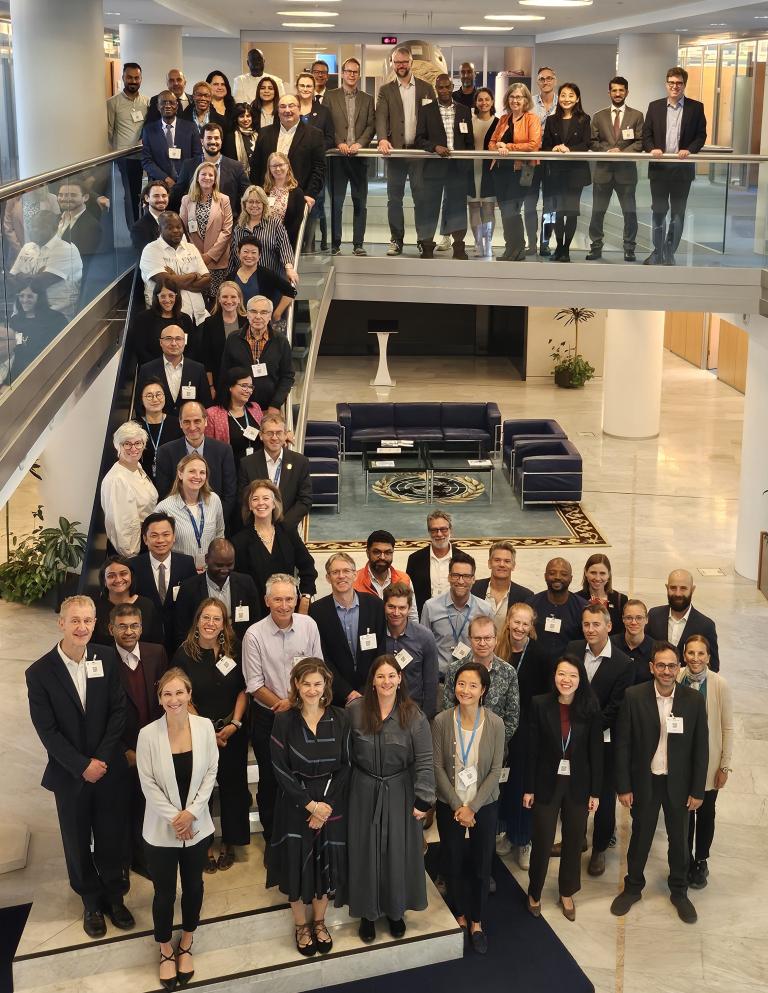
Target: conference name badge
x=242 y=613
x=191 y=225
x=403 y=658
x=425 y=101
x=250 y=433
x=564 y=767
x=368 y=642
x=188 y=392
x=553 y=624
x=94 y=668
x=468 y=776
x=174 y=153
x=463 y=127
x=461 y=651
x=225 y=665
x=628 y=134
x=674 y=724
x=259 y=370
x=504 y=775
x=137 y=116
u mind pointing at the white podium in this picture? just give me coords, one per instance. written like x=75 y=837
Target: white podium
x=382 y=377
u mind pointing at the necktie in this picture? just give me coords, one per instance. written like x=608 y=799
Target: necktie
x=162 y=586
x=616 y=124
x=169 y=139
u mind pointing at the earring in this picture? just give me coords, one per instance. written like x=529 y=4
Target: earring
x=221 y=638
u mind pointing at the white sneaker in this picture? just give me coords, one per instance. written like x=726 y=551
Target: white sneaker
x=444 y=245
x=524 y=856
x=503 y=845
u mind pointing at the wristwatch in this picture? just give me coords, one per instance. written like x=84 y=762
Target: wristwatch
x=238 y=724
x=724 y=768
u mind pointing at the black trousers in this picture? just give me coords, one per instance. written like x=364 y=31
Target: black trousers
x=266 y=791
x=234 y=798
x=133 y=851
x=544 y=823
x=446 y=184
x=644 y=819
x=98 y=810
x=533 y=233
x=670 y=186
x=353 y=172
x=131 y=172
x=467 y=862
x=601 y=198
x=701 y=827
x=605 y=815
x=165 y=864
x=398 y=170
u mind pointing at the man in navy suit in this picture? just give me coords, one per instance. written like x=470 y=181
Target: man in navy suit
x=679 y=620
x=168 y=141
x=173 y=367
x=78 y=708
x=233 y=179
x=159 y=572
x=674 y=125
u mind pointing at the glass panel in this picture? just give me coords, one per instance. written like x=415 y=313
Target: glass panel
x=9 y=160
x=724 y=132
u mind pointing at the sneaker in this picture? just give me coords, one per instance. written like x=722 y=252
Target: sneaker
x=697 y=875
x=336 y=250
x=503 y=845
x=359 y=250
x=685 y=909
x=395 y=248
x=524 y=856
x=444 y=245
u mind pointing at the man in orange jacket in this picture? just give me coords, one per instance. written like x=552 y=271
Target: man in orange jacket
x=378 y=573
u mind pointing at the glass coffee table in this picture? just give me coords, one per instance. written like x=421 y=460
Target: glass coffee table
x=379 y=459
x=457 y=464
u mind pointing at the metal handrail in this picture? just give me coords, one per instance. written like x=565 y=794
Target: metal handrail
x=42 y=179
x=288 y=409
x=410 y=153
x=314 y=350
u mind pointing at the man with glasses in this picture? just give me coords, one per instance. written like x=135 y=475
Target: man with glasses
x=428 y=567
x=351 y=110
x=182 y=378
x=634 y=642
x=448 y=616
x=302 y=143
x=397 y=114
x=674 y=125
x=167 y=142
x=288 y=470
x=544 y=106
x=662 y=751
x=319 y=73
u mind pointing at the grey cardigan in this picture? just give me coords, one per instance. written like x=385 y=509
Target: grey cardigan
x=490 y=757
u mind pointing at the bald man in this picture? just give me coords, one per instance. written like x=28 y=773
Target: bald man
x=679 y=620
x=558 y=611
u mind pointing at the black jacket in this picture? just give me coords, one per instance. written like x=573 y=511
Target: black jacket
x=154 y=662
x=569 y=174
x=181 y=568
x=517 y=593
x=151 y=621
x=349 y=673
x=146 y=328
x=320 y=118
x=417 y=568
x=192 y=374
x=295 y=484
x=85 y=234
x=306 y=155
x=693 y=133
x=697 y=623
x=242 y=591
x=271 y=390
x=221 y=470
x=214 y=338
x=233 y=181
x=143 y=231
x=289 y=554
x=545 y=751
x=609 y=683
x=430 y=132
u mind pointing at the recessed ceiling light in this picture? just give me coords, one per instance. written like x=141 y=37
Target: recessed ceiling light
x=307 y=24
x=514 y=17
x=308 y=13
x=761 y=17
x=112 y=13
x=483 y=27
x=555 y=3
x=306 y=1
x=718 y=24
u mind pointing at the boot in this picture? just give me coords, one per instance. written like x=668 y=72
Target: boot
x=459 y=252
x=478 y=231
x=426 y=249
x=488 y=239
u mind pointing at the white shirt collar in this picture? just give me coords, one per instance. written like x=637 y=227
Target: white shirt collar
x=131 y=659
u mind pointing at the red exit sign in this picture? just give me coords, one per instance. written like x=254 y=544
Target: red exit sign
x=389 y=39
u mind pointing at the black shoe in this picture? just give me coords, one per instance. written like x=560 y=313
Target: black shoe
x=697 y=875
x=323 y=246
x=629 y=256
x=596 y=865
x=396 y=928
x=594 y=254
x=305 y=948
x=563 y=257
x=323 y=939
x=479 y=942
x=622 y=904
x=359 y=250
x=544 y=250
x=652 y=259
x=168 y=984
x=183 y=977
x=94 y=924
x=669 y=258
x=492 y=885
x=336 y=250
x=395 y=248
x=120 y=915
x=367 y=930
x=685 y=909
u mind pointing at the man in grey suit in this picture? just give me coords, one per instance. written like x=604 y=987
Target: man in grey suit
x=351 y=111
x=616 y=129
x=397 y=112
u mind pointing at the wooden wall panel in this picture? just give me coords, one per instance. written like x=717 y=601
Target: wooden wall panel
x=732 y=356
x=685 y=335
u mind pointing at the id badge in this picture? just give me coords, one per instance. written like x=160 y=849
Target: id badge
x=607 y=736
x=553 y=624
x=225 y=665
x=297 y=659
x=188 y=393
x=504 y=775
x=242 y=613
x=674 y=724
x=403 y=658
x=94 y=668
x=259 y=369
x=468 y=776
x=192 y=225
x=463 y=127
x=174 y=153
x=176 y=592
x=250 y=433
x=367 y=642
x=461 y=651
x=628 y=134
x=564 y=768
x=249 y=451
x=19 y=337
x=137 y=116
x=425 y=101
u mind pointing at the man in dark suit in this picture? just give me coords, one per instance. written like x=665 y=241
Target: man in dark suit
x=352 y=629
x=221 y=462
x=662 y=751
x=302 y=143
x=610 y=673
x=675 y=125
x=167 y=142
x=141 y=666
x=634 y=642
x=177 y=84
x=287 y=469
x=236 y=590
x=190 y=384
x=444 y=127
x=428 y=567
x=679 y=620
x=159 y=572
x=233 y=179
x=498 y=589
x=78 y=709
x=616 y=129
x=77 y=225
x=154 y=200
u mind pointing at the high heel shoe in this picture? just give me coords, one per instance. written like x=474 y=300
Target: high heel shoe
x=533 y=909
x=184 y=977
x=168 y=984
x=568 y=912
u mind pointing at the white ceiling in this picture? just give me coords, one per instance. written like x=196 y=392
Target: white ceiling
x=601 y=22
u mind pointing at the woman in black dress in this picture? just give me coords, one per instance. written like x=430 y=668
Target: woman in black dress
x=307 y=859
x=210 y=656
x=227 y=317
x=165 y=310
x=117 y=582
x=148 y=410
x=265 y=546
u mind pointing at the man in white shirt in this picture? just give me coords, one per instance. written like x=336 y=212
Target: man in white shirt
x=56 y=264
x=428 y=567
x=244 y=87
x=126 y=114
x=176 y=258
x=320 y=74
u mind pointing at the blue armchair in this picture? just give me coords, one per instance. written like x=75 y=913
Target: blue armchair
x=525 y=429
x=547 y=471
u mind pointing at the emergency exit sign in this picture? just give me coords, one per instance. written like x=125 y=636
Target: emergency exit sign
x=389 y=39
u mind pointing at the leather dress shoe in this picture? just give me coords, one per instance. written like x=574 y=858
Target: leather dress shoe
x=652 y=259
x=94 y=924
x=685 y=909
x=569 y=913
x=596 y=865
x=367 y=930
x=594 y=254
x=534 y=909
x=622 y=904
x=479 y=942
x=396 y=928
x=120 y=915
x=629 y=256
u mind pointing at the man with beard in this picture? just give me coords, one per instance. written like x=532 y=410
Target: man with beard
x=126 y=114
x=677 y=622
x=233 y=179
x=378 y=573
x=558 y=611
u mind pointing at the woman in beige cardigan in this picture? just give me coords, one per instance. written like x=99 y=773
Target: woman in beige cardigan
x=468 y=747
x=698 y=675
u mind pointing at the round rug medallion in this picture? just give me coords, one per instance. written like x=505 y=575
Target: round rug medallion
x=410 y=487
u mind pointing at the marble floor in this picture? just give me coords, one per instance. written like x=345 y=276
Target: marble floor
x=671 y=501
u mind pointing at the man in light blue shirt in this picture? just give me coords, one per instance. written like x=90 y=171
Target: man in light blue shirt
x=414 y=647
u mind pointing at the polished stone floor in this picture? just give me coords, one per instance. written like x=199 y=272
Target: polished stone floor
x=663 y=503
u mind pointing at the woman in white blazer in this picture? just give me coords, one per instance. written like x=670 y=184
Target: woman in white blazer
x=698 y=675
x=177 y=759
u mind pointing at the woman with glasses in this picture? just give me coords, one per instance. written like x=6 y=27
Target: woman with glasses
x=235 y=419
x=256 y=219
x=286 y=197
x=128 y=495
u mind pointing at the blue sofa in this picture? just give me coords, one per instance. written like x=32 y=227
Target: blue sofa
x=525 y=429
x=547 y=471
x=323 y=448
x=470 y=424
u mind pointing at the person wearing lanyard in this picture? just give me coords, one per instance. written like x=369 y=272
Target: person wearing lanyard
x=195 y=508
x=563 y=778
x=467 y=770
x=235 y=419
x=159 y=427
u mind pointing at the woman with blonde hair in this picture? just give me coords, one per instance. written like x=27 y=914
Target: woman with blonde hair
x=286 y=197
x=127 y=493
x=257 y=219
x=207 y=217
x=195 y=508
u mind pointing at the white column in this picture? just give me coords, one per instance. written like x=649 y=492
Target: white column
x=634 y=353
x=157 y=48
x=753 y=502
x=50 y=38
x=643 y=59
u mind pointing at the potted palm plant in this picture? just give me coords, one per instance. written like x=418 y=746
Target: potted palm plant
x=42 y=564
x=571 y=369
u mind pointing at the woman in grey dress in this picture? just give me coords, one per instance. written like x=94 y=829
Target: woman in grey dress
x=392 y=788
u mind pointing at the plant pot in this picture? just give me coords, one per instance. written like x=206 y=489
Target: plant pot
x=57 y=594
x=563 y=380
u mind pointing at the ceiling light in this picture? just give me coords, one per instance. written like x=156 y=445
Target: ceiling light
x=483 y=27
x=514 y=17
x=555 y=3
x=308 y=13
x=307 y=1
x=307 y=24
x=718 y=24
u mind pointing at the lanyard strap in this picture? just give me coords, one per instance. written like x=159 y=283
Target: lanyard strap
x=567 y=741
x=198 y=530
x=464 y=752
x=520 y=661
x=247 y=422
x=155 y=444
x=278 y=470
x=458 y=634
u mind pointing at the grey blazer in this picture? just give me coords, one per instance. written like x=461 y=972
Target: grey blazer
x=602 y=140
x=490 y=757
x=390 y=119
x=365 y=125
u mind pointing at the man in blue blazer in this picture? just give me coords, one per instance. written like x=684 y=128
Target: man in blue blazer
x=167 y=142
x=78 y=708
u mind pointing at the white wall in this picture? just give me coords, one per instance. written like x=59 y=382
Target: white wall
x=542 y=326
x=202 y=55
x=589 y=66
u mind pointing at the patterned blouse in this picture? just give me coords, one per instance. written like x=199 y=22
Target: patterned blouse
x=278 y=200
x=202 y=215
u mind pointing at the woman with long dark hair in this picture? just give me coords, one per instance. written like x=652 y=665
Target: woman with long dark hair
x=245 y=135
x=264 y=107
x=223 y=110
x=116 y=587
x=481 y=198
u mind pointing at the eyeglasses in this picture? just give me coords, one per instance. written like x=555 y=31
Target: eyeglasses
x=261 y=313
x=675 y=82
x=133 y=444
x=173 y=339
x=351 y=72
x=482 y=637
x=666 y=666
x=124 y=628
x=406 y=63
x=154 y=396
x=546 y=79
x=461 y=577
x=634 y=618
x=272 y=434
x=335 y=573
x=439 y=530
